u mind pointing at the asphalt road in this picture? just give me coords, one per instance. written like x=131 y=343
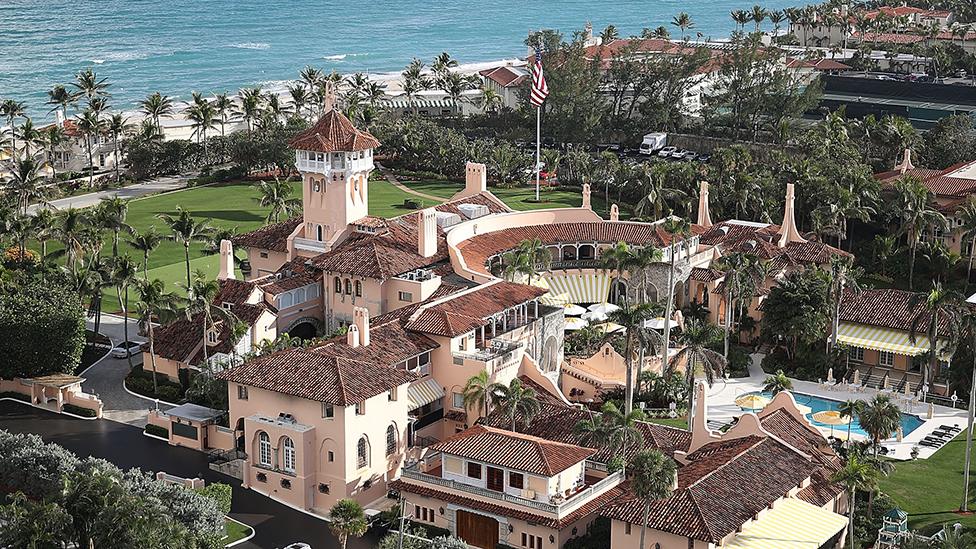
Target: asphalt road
x=276 y=525
x=153 y=186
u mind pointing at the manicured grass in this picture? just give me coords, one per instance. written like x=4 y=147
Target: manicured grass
x=930 y=490
x=235 y=531
x=679 y=422
x=434 y=187
x=385 y=200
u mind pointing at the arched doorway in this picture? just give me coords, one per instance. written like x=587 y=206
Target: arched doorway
x=303 y=330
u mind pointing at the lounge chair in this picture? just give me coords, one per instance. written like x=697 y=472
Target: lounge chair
x=934 y=440
x=929 y=444
x=951 y=428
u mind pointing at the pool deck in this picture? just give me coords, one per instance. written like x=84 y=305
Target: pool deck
x=722 y=408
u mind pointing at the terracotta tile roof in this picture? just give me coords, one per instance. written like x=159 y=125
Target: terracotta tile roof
x=272 y=237
x=887 y=37
x=293 y=274
x=517 y=451
x=940 y=183
x=701 y=274
x=508 y=510
x=887 y=308
x=463 y=313
x=315 y=376
x=506 y=77
x=762 y=241
x=389 y=344
x=70 y=128
x=725 y=484
x=333 y=133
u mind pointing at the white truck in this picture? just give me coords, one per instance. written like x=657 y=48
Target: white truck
x=652 y=143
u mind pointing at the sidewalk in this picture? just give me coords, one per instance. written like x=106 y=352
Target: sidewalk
x=158 y=185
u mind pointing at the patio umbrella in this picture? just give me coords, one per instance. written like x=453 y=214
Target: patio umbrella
x=609 y=327
x=571 y=309
x=857 y=377
x=655 y=323
x=830 y=375
x=831 y=417
x=603 y=308
x=908 y=390
x=752 y=402
x=594 y=316
x=575 y=324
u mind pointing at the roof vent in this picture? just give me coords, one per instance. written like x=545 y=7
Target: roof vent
x=724 y=229
x=445 y=219
x=473 y=211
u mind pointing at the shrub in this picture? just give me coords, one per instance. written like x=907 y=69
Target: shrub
x=597 y=536
x=42 y=330
x=78 y=410
x=140 y=382
x=739 y=361
x=219 y=492
x=156 y=430
x=412 y=204
x=18 y=396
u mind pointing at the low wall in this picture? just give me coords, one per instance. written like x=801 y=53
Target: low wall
x=219 y=438
x=84 y=400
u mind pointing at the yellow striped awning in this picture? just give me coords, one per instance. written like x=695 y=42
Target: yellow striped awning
x=790 y=524
x=580 y=288
x=555 y=299
x=881 y=339
x=423 y=392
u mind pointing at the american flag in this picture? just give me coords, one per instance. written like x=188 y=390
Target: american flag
x=540 y=90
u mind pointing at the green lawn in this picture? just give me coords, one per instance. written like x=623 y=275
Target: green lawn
x=930 y=490
x=434 y=187
x=679 y=422
x=234 y=531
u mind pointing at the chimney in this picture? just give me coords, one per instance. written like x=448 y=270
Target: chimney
x=614 y=213
x=360 y=319
x=789 y=231
x=329 y=101
x=586 y=196
x=427 y=232
x=699 y=417
x=906 y=162
x=226 y=261
x=704 y=218
x=352 y=336
x=475 y=178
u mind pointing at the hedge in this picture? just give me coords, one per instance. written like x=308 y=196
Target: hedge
x=18 y=396
x=42 y=330
x=140 y=382
x=219 y=492
x=158 y=431
x=78 y=410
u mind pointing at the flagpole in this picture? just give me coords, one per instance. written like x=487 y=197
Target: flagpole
x=538 y=148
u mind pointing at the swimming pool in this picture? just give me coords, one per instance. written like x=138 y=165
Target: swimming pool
x=816 y=404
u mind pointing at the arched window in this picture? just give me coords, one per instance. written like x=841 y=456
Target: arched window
x=338 y=285
x=318 y=232
x=285 y=301
x=264 y=453
x=359 y=289
x=348 y=286
x=391 y=443
x=299 y=296
x=362 y=453
x=288 y=455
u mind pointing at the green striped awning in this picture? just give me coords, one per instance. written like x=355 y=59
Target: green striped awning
x=423 y=392
x=790 y=524
x=882 y=339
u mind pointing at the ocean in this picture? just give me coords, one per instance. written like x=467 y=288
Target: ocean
x=213 y=46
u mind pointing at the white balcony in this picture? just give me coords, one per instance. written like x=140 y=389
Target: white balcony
x=310 y=245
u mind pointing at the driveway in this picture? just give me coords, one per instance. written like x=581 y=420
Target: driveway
x=276 y=525
x=105 y=377
x=152 y=186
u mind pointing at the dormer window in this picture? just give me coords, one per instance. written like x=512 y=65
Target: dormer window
x=212 y=337
x=227 y=305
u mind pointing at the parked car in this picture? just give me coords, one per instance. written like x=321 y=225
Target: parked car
x=666 y=152
x=298 y=545
x=125 y=350
x=704 y=158
x=690 y=156
x=679 y=154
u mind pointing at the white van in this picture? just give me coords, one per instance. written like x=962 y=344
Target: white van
x=652 y=143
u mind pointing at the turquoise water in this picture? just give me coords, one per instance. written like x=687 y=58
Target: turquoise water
x=909 y=422
x=177 y=46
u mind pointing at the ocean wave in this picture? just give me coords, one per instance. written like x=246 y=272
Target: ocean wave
x=98 y=61
x=250 y=46
x=339 y=57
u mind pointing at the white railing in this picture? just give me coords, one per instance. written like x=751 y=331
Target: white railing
x=310 y=245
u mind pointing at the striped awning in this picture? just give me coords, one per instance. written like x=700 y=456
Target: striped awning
x=579 y=288
x=423 y=392
x=882 y=339
x=790 y=524
x=402 y=103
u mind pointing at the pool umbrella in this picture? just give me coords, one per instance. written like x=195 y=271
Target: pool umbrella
x=571 y=309
x=752 y=402
x=831 y=417
x=575 y=324
x=830 y=375
x=594 y=316
x=857 y=377
x=609 y=327
x=655 y=323
x=603 y=308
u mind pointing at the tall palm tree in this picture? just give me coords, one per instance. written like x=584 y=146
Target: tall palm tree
x=880 y=418
x=155 y=305
x=758 y=15
x=156 y=106
x=442 y=63
x=111 y=213
x=185 y=230
x=740 y=280
x=146 y=242
x=850 y=409
x=856 y=475
x=612 y=261
x=11 y=110
x=28 y=134
x=843 y=278
x=477 y=392
x=299 y=96
x=89 y=85
x=54 y=138
x=277 y=197
x=967 y=215
x=514 y=400
x=200 y=302
x=637 y=264
x=414 y=81
x=116 y=126
x=223 y=108
x=653 y=478
x=632 y=318
x=917 y=215
x=622 y=431
x=26 y=185
x=60 y=99
x=740 y=17
x=203 y=117
x=697 y=358
x=124 y=275
x=44 y=226
x=90 y=126
x=250 y=108
x=938 y=307
x=591 y=432
x=683 y=21
x=678 y=228
x=71 y=229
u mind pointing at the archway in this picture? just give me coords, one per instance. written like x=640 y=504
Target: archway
x=303 y=330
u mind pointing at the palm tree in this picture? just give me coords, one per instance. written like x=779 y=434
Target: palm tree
x=917 y=215
x=514 y=400
x=653 y=478
x=740 y=17
x=491 y=100
x=637 y=263
x=60 y=98
x=124 y=273
x=612 y=261
x=11 y=110
x=346 y=519
x=29 y=134
x=44 y=225
x=71 y=229
x=777 y=383
x=850 y=409
x=90 y=126
x=678 y=228
x=250 y=107
x=154 y=305
x=200 y=296
x=26 y=186
x=185 y=230
x=146 y=242
x=203 y=117
x=477 y=392
x=591 y=432
x=683 y=21
x=111 y=213
x=89 y=85
x=414 y=81
x=54 y=138
x=740 y=280
x=156 y=106
x=632 y=318
x=758 y=15
x=880 y=418
x=855 y=475
x=939 y=307
x=843 y=279
x=967 y=215
x=117 y=125
x=443 y=63
x=276 y=196
x=697 y=357
x=622 y=432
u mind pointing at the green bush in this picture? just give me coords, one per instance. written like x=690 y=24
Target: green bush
x=219 y=492
x=42 y=330
x=18 y=396
x=739 y=361
x=140 y=382
x=156 y=430
x=412 y=204
x=78 y=410
x=597 y=536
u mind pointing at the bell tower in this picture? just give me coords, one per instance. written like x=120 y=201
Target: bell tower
x=334 y=159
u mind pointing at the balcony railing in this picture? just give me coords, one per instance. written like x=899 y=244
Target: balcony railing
x=310 y=245
x=497 y=348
